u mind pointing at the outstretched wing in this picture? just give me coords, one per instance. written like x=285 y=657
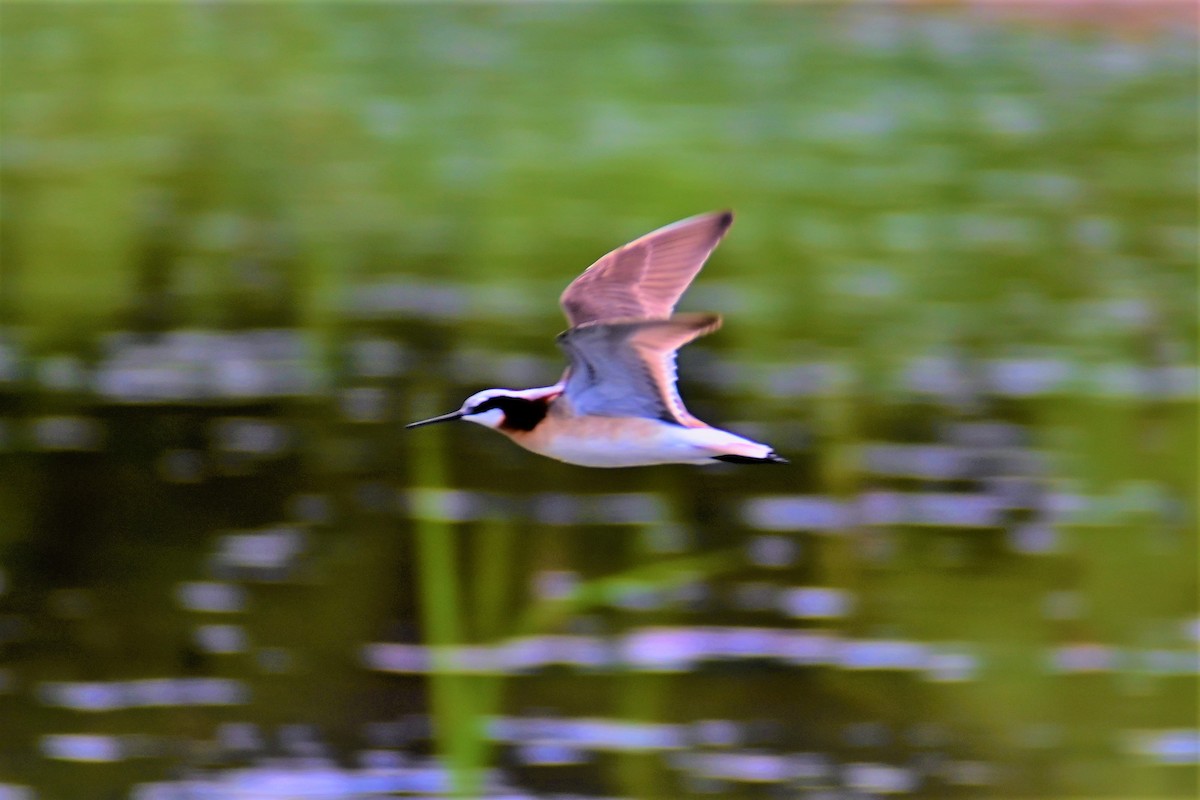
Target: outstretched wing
x=644 y=279
x=627 y=368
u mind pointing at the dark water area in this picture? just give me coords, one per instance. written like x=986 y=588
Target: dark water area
x=217 y=576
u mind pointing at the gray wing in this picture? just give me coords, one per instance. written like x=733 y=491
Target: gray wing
x=645 y=278
x=627 y=369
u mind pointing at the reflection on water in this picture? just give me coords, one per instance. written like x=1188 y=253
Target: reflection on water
x=220 y=586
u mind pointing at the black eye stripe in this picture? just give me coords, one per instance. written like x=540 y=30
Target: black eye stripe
x=519 y=413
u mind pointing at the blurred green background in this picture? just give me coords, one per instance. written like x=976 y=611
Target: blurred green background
x=242 y=243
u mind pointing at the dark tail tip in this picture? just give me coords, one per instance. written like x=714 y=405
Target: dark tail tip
x=771 y=458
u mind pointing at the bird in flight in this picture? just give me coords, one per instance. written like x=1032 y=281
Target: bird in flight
x=617 y=405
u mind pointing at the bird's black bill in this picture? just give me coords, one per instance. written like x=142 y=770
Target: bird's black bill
x=443 y=418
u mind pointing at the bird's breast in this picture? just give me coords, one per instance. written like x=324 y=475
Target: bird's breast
x=594 y=441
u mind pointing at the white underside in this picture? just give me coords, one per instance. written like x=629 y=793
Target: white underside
x=668 y=444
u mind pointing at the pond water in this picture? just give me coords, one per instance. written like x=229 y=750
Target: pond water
x=236 y=573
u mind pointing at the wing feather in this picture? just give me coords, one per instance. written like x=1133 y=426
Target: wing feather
x=627 y=368
x=645 y=278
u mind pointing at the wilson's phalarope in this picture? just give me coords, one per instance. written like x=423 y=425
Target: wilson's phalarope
x=617 y=405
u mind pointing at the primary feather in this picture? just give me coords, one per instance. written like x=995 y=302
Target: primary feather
x=645 y=278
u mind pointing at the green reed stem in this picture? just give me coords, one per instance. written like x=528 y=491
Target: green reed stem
x=493 y=577
x=492 y=584
x=456 y=723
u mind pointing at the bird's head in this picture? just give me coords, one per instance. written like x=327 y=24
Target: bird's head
x=500 y=408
